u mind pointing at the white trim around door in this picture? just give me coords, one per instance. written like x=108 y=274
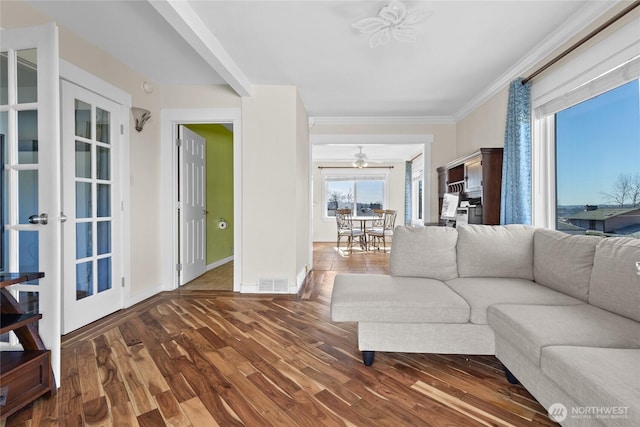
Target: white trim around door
x=170 y=119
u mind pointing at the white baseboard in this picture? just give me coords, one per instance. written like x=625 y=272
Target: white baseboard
x=220 y=262
x=302 y=275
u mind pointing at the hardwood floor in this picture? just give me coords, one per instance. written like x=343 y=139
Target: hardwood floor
x=203 y=358
x=217 y=279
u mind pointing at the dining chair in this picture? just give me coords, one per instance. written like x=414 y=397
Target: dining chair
x=346 y=229
x=377 y=235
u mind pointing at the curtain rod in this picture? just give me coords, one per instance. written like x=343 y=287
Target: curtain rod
x=353 y=167
x=583 y=40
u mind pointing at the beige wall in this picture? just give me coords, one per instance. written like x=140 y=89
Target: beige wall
x=273 y=157
x=191 y=97
x=483 y=127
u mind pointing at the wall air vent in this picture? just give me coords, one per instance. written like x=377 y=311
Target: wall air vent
x=273 y=286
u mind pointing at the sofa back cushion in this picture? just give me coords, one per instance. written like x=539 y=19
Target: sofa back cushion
x=563 y=262
x=495 y=251
x=424 y=252
x=614 y=285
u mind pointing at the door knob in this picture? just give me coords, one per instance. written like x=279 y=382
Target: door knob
x=42 y=219
x=63 y=218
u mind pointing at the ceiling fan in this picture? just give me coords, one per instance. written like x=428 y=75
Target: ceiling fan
x=360 y=159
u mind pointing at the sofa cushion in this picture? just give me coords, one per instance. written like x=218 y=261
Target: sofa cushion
x=563 y=262
x=424 y=252
x=614 y=285
x=495 y=251
x=482 y=292
x=383 y=298
x=603 y=378
x=529 y=328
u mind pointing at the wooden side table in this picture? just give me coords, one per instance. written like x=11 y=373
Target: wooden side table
x=24 y=375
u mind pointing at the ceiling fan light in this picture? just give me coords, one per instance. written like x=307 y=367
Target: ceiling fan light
x=393 y=19
x=360 y=159
x=360 y=163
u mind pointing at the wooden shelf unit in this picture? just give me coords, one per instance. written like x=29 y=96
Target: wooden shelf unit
x=24 y=375
x=476 y=177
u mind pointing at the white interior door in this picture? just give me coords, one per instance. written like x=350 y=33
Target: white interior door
x=91 y=144
x=193 y=204
x=30 y=147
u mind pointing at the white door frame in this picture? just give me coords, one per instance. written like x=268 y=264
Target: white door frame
x=82 y=78
x=170 y=119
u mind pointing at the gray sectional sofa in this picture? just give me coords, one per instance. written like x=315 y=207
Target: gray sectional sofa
x=561 y=312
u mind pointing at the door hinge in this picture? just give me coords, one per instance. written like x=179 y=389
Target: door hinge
x=178 y=142
x=123 y=282
x=121 y=129
x=178 y=267
x=179 y=205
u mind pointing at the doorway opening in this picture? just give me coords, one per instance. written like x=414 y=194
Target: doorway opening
x=206 y=194
x=172 y=119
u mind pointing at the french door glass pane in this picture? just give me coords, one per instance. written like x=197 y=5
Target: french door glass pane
x=83 y=119
x=83 y=160
x=103 y=125
x=104 y=237
x=28 y=246
x=104 y=200
x=4 y=78
x=28 y=137
x=104 y=163
x=27 y=75
x=27 y=195
x=29 y=302
x=4 y=117
x=104 y=274
x=83 y=200
x=84 y=240
x=84 y=280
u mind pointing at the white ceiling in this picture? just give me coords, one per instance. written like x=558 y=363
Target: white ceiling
x=463 y=48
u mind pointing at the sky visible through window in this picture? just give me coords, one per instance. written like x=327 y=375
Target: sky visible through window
x=597 y=141
x=360 y=195
x=368 y=191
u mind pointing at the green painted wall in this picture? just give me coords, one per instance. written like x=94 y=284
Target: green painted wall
x=219 y=189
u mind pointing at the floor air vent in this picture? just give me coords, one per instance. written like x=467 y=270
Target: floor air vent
x=270 y=285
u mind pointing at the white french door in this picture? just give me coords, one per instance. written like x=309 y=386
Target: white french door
x=91 y=144
x=193 y=204
x=30 y=155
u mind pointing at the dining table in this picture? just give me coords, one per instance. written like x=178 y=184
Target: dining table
x=364 y=219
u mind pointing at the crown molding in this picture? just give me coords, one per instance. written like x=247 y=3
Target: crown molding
x=401 y=120
x=585 y=17
x=367 y=139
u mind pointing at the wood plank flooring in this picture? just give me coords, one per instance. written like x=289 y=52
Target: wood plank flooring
x=217 y=279
x=211 y=358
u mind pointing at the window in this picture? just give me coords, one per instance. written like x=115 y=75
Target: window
x=360 y=191
x=417 y=190
x=597 y=151
x=580 y=97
